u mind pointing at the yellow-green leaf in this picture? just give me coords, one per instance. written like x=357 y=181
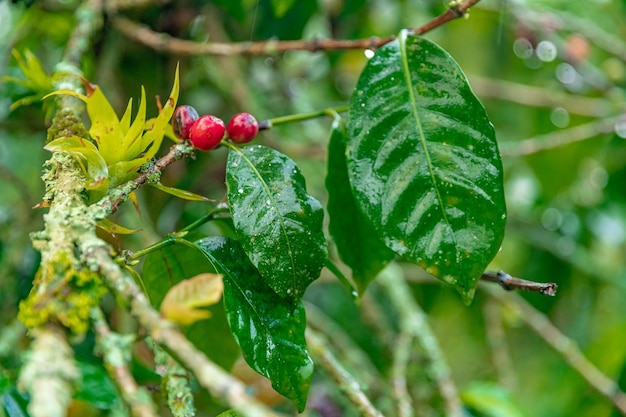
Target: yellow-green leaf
x=115 y=229
x=133 y=135
x=151 y=140
x=182 y=300
x=177 y=192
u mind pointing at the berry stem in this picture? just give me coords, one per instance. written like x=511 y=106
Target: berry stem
x=331 y=111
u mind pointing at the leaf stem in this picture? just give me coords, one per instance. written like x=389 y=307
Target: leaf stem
x=342 y=278
x=331 y=111
x=175 y=237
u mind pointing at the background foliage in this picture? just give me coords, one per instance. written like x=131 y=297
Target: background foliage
x=548 y=72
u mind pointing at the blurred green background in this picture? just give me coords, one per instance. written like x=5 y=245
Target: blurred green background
x=552 y=76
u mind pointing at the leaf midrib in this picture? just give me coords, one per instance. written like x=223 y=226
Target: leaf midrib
x=414 y=110
x=275 y=206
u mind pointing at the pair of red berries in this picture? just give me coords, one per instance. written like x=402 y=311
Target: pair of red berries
x=206 y=132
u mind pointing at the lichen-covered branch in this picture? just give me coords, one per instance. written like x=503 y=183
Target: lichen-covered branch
x=176 y=384
x=50 y=373
x=116 y=350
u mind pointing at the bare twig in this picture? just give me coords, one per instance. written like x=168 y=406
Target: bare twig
x=510 y=283
x=539 y=97
x=413 y=322
x=168 y=44
x=320 y=350
x=565 y=346
x=560 y=137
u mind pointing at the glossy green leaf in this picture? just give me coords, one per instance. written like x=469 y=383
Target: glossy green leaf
x=280 y=225
x=177 y=192
x=268 y=328
x=424 y=162
x=170 y=265
x=357 y=242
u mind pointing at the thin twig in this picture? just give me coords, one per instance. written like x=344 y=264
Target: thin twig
x=539 y=97
x=320 y=350
x=560 y=138
x=115 y=353
x=164 y=43
x=565 y=346
x=510 y=283
x=414 y=323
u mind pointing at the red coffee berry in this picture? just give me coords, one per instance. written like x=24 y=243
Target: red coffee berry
x=207 y=132
x=184 y=118
x=242 y=128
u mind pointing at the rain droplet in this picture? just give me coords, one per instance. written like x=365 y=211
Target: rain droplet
x=523 y=48
x=559 y=117
x=546 y=51
x=240 y=191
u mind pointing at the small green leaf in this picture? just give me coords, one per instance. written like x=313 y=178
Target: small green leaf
x=357 y=242
x=269 y=329
x=177 y=192
x=115 y=229
x=170 y=265
x=424 y=162
x=181 y=303
x=280 y=225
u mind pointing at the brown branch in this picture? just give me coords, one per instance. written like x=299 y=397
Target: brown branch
x=165 y=43
x=510 y=283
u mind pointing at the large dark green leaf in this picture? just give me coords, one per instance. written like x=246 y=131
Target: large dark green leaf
x=424 y=162
x=280 y=225
x=167 y=267
x=268 y=328
x=358 y=244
